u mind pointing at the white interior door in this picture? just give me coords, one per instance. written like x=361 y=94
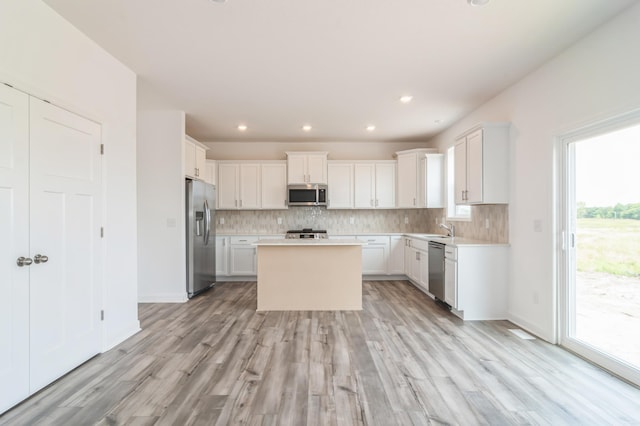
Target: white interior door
x=65 y=224
x=14 y=243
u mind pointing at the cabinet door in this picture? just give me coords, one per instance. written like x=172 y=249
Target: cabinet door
x=65 y=221
x=14 y=243
x=375 y=255
x=416 y=267
x=451 y=283
x=317 y=168
x=385 y=194
x=424 y=269
x=364 y=183
x=222 y=256
x=407 y=181
x=408 y=258
x=200 y=161
x=396 y=255
x=243 y=260
x=211 y=170
x=249 y=187
x=474 y=167
x=228 y=176
x=274 y=186
x=340 y=183
x=296 y=168
x=189 y=159
x=460 y=171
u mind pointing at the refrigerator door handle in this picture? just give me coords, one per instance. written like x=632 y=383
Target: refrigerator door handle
x=207 y=222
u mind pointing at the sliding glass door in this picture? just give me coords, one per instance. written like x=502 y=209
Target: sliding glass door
x=600 y=283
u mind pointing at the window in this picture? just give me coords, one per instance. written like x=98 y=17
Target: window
x=454 y=212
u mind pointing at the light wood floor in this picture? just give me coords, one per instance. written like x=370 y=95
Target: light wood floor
x=402 y=360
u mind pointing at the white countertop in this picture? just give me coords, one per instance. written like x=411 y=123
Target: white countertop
x=309 y=242
x=457 y=241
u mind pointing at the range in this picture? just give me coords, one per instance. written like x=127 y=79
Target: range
x=307 y=233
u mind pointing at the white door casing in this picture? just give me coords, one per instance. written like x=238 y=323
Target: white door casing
x=14 y=243
x=65 y=222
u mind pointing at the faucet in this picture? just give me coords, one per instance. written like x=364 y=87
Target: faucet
x=451 y=229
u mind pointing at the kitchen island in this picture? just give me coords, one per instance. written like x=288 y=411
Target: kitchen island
x=309 y=274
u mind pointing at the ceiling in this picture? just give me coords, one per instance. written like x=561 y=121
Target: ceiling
x=337 y=65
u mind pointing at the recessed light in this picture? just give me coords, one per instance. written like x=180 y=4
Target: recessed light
x=477 y=2
x=306 y=128
x=371 y=128
x=242 y=127
x=406 y=99
x=437 y=121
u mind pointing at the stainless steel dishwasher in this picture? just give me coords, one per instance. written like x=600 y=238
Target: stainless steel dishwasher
x=436 y=270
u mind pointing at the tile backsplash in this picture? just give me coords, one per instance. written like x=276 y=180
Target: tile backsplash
x=348 y=222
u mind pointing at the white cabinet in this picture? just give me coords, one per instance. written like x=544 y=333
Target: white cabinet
x=211 y=172
x=420 y=178
x=396 y=255
x=238 y=186
x=274 y=185
x=51 y=209
x=242 y=256
x=375 y=255
x=222 y=256
x=481 y=156
x=451 y=277
x=195 y=155
x=306 y=167
x=340 y=184
x=479 y=290
x=375 y=184
x=417 y=262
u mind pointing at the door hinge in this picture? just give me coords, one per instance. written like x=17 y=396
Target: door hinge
x=102 y=315
x=102 y=232
x=101 y=149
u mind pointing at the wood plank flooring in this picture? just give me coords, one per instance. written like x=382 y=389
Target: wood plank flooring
x=402 y=360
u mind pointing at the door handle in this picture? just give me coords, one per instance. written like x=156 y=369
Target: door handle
x=207 y=222
x=39 y=258
x=24 y=261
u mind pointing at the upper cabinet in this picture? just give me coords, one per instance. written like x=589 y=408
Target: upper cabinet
x=251 y=185
x=195 y=156
x=211 y=172
x=375 y=184
x=306 y=167
x=481 y=165
x=420 y=178
x=340 y=184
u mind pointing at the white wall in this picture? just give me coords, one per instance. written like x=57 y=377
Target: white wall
x=42 y=54
x=161 y=232
x=336 y=150
x=594 y=79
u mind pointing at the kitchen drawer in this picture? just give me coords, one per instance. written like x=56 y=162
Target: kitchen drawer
x=244 y=240
x=374 y=239
x=451 y=252
x=419 y=244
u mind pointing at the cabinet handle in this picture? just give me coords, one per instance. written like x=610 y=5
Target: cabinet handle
x=371 y=203
x=417 y=255
x=376 y=203
x=235 y=203
x=39 y=258
x=240 y=203
x=414 y=201
x=24 y=261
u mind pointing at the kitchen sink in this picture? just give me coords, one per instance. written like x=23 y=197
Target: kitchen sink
x=434 y=236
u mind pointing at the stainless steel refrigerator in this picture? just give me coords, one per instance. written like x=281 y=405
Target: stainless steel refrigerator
x=201 y=239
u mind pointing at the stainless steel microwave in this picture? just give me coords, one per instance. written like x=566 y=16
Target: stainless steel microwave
x=311 y=194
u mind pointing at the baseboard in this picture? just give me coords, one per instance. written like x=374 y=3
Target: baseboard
x=163 y=298
x=531 y=328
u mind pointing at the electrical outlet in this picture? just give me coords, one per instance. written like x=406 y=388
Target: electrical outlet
x=537 y=225
x=279 y=221
x=486 y=223
x=221 y=221
x=536 y=298
x=406 y=220
x=352 y=220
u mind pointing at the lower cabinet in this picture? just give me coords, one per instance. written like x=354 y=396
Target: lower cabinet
x=222 y=256
x=242 y=256
x=416 y=262
x=396 y=255
x=375 y=255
